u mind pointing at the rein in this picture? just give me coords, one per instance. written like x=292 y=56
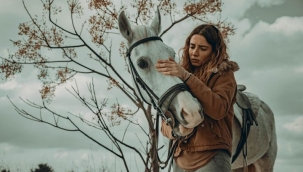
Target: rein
x=157 y=102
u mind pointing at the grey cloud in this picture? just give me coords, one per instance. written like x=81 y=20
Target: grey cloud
x=290 y=151
x=270 y=13
x=264 y=48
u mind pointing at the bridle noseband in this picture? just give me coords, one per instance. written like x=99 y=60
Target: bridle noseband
x=156 y=102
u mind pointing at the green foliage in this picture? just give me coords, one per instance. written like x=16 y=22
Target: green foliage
x=4 y=170
x=43 y=168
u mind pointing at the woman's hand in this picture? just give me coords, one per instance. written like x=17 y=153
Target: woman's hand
x=170 y=67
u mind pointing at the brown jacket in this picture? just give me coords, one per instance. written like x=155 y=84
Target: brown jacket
x=217 y=97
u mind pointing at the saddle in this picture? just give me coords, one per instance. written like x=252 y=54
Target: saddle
x=249 y=104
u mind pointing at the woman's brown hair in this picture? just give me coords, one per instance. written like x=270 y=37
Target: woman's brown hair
x=219 y=54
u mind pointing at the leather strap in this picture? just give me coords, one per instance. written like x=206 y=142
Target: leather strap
x=248 y=120
x=152 y=38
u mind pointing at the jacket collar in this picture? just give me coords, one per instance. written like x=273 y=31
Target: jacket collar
x=225 y=66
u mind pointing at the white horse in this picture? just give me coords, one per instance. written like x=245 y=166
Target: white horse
x=261 y=143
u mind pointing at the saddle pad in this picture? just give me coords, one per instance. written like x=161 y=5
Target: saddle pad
x=255 y=106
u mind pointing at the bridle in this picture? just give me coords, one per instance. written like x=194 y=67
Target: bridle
x=171 y=92
x=157 y=102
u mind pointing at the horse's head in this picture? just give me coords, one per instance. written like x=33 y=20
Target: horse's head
x=170 y=92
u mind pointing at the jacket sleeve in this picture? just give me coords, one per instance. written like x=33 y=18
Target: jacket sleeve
x=215 y=101
x=166 y=130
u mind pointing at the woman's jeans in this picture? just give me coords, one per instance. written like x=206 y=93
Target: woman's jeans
x=219 y=163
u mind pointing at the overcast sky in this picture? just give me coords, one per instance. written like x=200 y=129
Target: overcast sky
x=268 y=46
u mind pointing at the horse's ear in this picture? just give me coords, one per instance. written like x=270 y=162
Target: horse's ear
x=156 y=23
x=124 y=27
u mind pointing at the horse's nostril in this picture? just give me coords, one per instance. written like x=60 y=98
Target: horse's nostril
x=182 y=114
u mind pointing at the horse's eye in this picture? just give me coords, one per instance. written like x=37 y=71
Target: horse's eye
x=142 y=63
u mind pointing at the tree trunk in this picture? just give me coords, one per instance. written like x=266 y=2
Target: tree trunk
x=153 y=152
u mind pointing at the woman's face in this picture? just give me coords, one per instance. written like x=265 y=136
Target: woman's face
x=199 y=50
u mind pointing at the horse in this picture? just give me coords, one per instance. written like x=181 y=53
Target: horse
x=145 y=49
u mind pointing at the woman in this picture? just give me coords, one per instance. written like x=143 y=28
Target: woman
x=206 y=69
